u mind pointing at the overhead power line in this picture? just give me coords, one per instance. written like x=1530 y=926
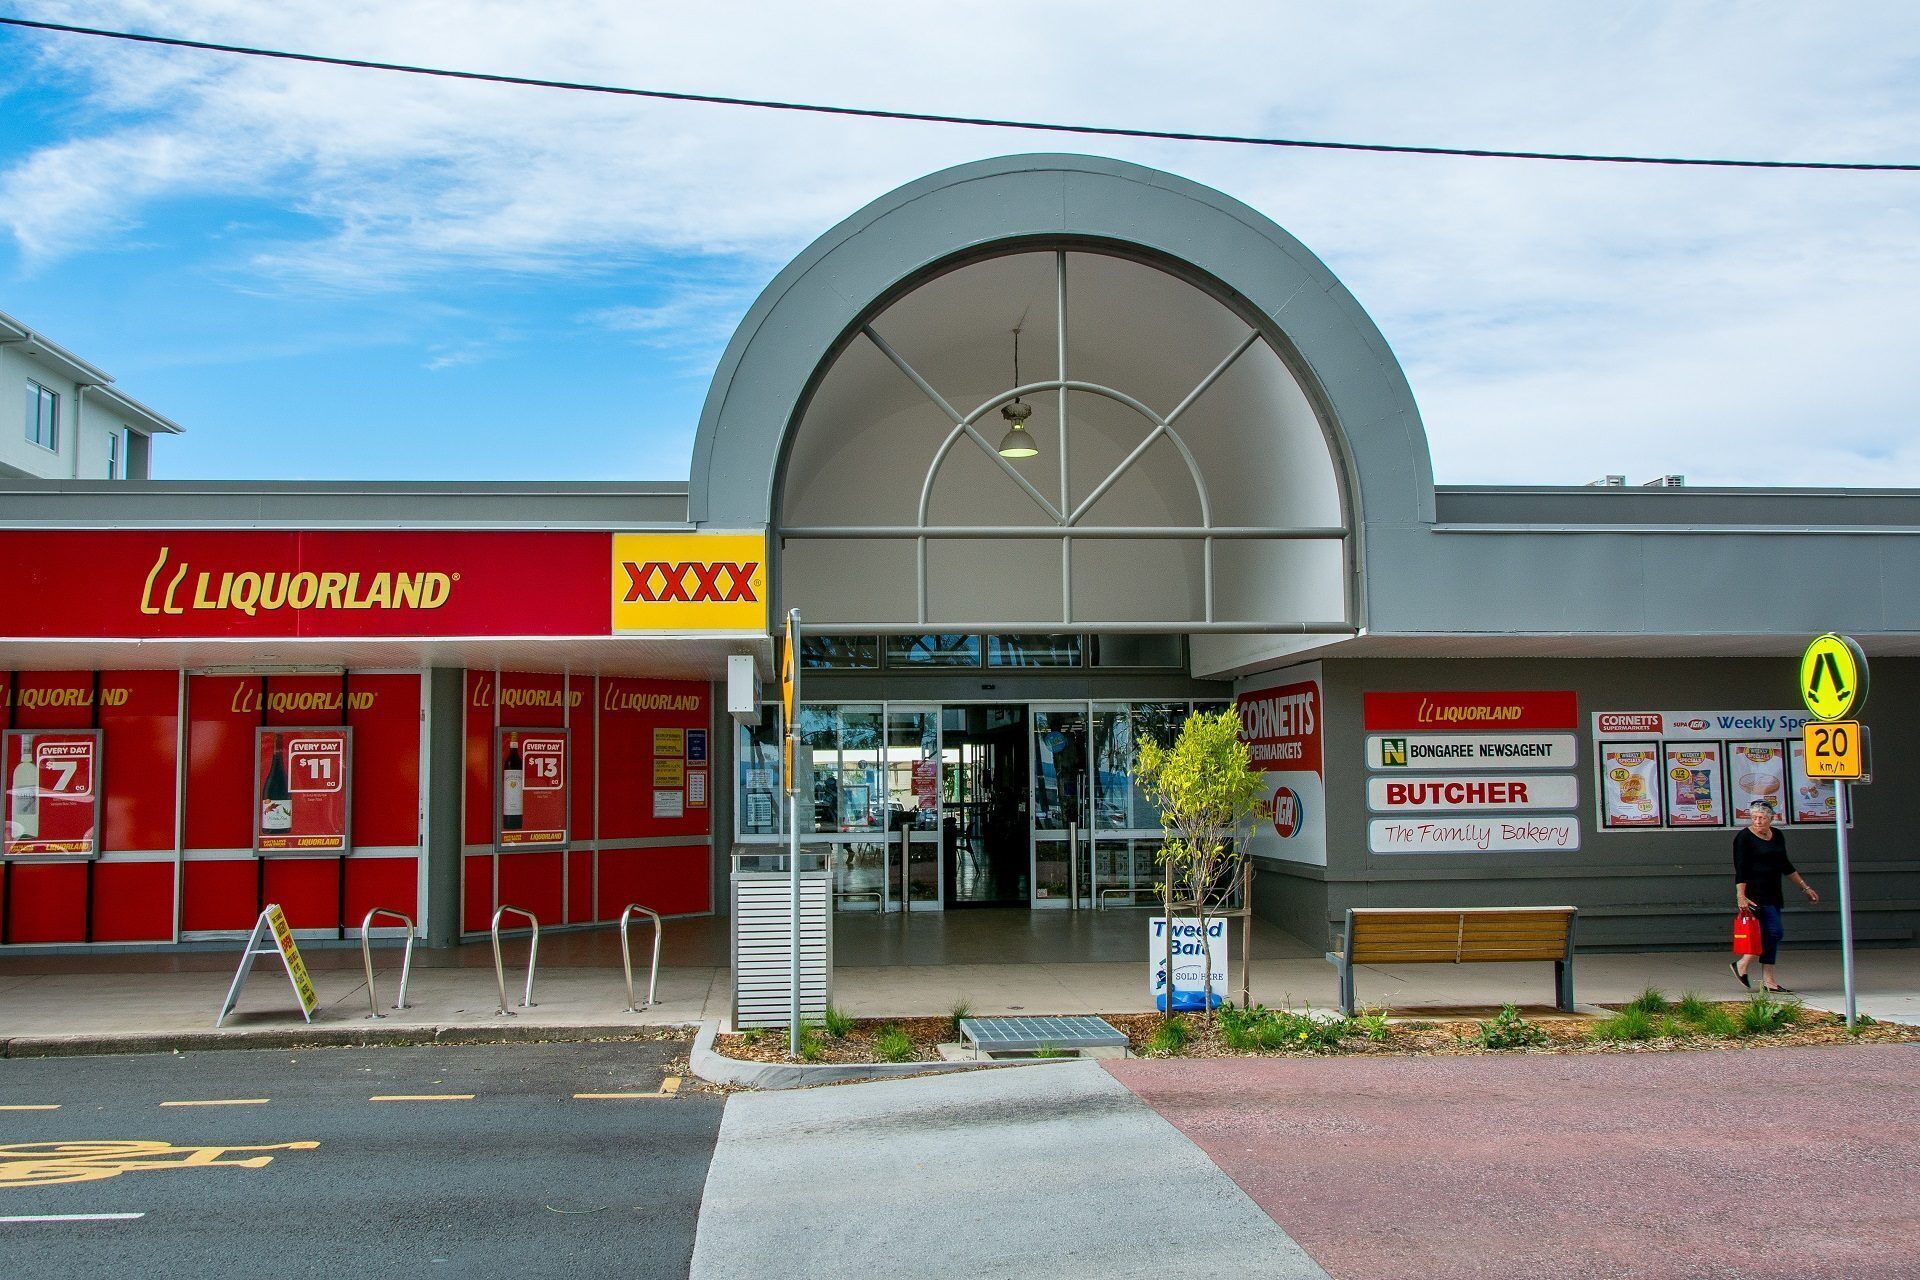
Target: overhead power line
x=980 y=122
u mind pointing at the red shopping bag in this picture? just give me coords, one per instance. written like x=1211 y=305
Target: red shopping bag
x=1746 y=934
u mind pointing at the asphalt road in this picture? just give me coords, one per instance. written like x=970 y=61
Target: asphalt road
x=523 y=1179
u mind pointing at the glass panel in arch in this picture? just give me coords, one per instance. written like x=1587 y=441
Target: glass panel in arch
x=849 y=784
x=761 y=807
x=942 y=650
x=913 y=770
x=1033 y=651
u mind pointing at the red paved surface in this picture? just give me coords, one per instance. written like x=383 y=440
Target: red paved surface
x=1765 y=1162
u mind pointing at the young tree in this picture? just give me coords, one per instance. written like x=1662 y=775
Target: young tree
x=1209 y=796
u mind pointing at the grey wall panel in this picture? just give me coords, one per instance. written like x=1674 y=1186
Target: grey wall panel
x=1642 y=888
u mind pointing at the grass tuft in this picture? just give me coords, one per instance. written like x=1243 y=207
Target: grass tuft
x=811 y=1048
x=1763 y=1015
x=1048 y=1051
x=1716 y=1021
x=1692 y=1008
x=893 y=1045
x=1372 y=1023
x=838 y=1021
x=1630 y=1025
x=1651 y=1000
x=961 y=1009
x=1170 y=1038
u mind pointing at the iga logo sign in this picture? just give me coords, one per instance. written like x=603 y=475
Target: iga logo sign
x=1288 y=812
x=689 y=582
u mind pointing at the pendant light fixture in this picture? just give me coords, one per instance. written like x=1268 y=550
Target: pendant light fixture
x=1018 y=442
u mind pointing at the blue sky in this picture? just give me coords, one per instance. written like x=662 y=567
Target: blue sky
x=333 y=274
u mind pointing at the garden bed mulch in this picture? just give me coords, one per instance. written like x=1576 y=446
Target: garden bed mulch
x=1446 y=1033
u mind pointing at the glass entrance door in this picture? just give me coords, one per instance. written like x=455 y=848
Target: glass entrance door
x=983 y=805
x=914 y=882
x=1062 y=813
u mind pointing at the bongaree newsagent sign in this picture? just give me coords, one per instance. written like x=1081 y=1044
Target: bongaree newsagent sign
x=158 y=584
x=1281 y=725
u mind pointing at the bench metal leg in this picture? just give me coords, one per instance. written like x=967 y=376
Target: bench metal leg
x=1563 y=985
x=1345 y=966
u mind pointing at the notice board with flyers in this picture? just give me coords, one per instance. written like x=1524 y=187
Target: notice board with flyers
x=1688 y=770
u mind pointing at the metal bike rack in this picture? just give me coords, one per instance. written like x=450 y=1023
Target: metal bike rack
x=533 y=954
x=366 y=958
x=626 y=953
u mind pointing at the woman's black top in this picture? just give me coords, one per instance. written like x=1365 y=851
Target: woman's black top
x=1759 y=864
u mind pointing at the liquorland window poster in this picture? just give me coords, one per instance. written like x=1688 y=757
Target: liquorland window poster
x=302 y=797
x=53 y=793
x=1630 y=784
x=1696 y=794
x=531 y=792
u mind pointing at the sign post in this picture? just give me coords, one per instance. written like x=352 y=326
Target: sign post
x=1833 y=683
x=789 y=709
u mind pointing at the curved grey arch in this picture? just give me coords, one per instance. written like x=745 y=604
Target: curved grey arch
x=793 y=328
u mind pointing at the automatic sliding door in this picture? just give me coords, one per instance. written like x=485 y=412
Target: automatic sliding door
x=913 y=808
x=1062 y=809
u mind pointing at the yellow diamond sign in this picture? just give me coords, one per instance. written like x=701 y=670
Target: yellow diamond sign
x=1833 y=677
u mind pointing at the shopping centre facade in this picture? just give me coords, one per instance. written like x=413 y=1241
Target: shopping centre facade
x=1048 y=451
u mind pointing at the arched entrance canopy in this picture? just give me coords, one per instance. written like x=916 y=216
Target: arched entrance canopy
x=856 y=282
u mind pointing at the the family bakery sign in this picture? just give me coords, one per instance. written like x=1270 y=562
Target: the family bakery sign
x=1472 y=771
x=367 y=584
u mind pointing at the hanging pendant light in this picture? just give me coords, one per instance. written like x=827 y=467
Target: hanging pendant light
x=1018 y=442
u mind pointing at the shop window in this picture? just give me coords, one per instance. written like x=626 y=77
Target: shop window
x=1119 y=803
x=942 y=650
x=839 y=653
x=1138 y=651
x=43 y=416
x=849 y=778
x=760 y=800
x=1033 y=651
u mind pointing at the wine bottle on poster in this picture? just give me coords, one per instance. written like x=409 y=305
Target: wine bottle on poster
x=276 y=801
x=24 y=795
x=512 y=787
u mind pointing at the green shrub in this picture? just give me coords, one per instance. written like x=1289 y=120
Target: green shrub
x=1170 y=1038
x=1651 y=1000
x=1508 y=1030
x=811 y=1048
x=1763 y=1015
x=1264 y=1029
x=1692 y=1008
x=1630 y=1024
x=893 y=1045
x=961 y=1009
x=1048 y=1051
x=1371 y=1023
x=838 y=1022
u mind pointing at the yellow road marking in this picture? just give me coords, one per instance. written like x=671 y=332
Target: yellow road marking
x=31 y=1106
x=219 y=1102
x=34 y=1164
x=668 y=1088
x=421 y=1097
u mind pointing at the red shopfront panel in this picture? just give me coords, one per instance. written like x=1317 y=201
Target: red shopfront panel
x=531 y=881
x=6 y=722
x=307 y=889
x=392 y=883
x=579 y=886
x=630 y=712
x=48 y=902
x=140 y=725
x=133 y=901
x=476 y=892
x=671 y=881
x=384 y=712
x=219 y=894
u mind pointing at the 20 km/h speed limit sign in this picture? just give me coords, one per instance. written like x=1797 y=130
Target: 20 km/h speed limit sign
x=1837 y=749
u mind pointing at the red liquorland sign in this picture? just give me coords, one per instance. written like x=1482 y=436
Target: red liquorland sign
x=1455 y=710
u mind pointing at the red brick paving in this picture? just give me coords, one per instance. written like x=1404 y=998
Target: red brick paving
x=1750 y=1163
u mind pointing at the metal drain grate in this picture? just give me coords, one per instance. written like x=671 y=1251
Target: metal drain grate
x=992 y=1035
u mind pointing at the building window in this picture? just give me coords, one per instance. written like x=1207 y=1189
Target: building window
x=113 y=455
x=1138 y=651
x=945 y=650
x=839 y=653
x=1033 y=651
x=43 y=416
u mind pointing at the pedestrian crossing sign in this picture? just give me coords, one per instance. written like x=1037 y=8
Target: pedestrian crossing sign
x=1833 y=677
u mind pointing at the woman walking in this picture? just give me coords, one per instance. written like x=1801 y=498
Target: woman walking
x=1759 y=862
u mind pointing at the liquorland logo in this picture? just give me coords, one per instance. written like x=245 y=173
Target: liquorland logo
x=176 y=587
x=689 y=582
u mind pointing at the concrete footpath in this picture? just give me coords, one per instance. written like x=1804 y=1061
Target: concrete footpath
x=51 y=1003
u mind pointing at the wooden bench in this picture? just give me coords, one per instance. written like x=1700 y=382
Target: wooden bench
x=1458 y=935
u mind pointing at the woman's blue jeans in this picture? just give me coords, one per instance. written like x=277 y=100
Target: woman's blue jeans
x=1772 y=929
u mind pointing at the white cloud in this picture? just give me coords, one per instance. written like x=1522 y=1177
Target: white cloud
x=1556 y=321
